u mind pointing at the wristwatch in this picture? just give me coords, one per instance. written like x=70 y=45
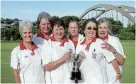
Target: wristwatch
x=118 y=73
x=114 y=52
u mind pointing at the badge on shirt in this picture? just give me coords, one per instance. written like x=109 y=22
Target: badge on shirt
x=25 y=56
x=94 y=54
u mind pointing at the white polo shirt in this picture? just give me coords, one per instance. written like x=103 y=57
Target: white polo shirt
x=39 y=39
x=114 y=41
x=55 y=52
x=93 y=64
x=80 y=38
x=29 y=63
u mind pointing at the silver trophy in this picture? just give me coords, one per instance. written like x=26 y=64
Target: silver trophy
x=75 y=73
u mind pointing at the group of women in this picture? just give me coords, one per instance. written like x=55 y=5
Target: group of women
x=46 y=57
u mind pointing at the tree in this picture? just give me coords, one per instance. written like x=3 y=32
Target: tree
x=11 y=32
x=116 y=26
x=125 y=35
x=67 y=19
x=55 y=18
x=131 y=28
x=81 y=26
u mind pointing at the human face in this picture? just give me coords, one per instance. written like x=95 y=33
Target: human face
x=73 y=29
x=58 y=32
x=103 y=30
x=45 y=26
x=27 y=35
x=90 y=30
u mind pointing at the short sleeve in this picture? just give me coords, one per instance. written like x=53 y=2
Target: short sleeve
x=14 y=59
x=108 y=55
x=45 y=54
x=118 y=47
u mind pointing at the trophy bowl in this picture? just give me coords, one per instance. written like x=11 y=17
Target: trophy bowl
x=75 y=73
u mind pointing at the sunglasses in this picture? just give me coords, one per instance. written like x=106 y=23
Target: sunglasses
x=89 y=28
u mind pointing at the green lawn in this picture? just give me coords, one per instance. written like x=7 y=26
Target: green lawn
x=128 y=68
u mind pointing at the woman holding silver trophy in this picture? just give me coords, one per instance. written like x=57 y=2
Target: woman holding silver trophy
x=76 y=38
x=56 y=61
x=93 y=66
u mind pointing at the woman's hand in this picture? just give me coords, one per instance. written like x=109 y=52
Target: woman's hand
x=82 y=54
x=120 y=59
x=55 y=64
x=108 y=47
x=67 y=55
x=119 y=76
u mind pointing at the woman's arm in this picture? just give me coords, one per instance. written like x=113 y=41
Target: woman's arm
x=120 y=59
x=16 y=76
x=55 y=64
x=117 y=70
x=82 y=56
x=15 y=65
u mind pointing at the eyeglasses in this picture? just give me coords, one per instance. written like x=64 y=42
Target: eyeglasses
x=89 y=28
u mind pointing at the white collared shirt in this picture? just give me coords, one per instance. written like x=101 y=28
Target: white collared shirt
x=39 y=41
x=93 y=64
x=53 y=53
x=80 y=39
x=30 y=66
x=114 y=41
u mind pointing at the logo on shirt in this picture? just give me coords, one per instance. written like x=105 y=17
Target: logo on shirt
x=94 y=54
x=25 y=56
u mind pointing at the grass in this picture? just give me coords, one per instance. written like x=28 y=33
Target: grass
x=128 y=68
x=6 y=71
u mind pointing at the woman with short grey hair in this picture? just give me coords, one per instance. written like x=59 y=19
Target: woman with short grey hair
x=44 y=28
x=25 y=24
x=111 y=44
x=26 y=58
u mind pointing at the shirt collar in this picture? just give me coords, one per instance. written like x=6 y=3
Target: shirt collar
x=65 y=39
x=105 y=38
x=88 y=45
x=39 y=34
x=93 y=40
x=22 y=46
x=74 y=42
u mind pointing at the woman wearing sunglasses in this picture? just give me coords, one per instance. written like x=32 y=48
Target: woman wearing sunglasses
x=93 y=65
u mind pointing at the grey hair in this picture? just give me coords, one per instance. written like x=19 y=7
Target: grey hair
x=43 y=15
x=73 y=21
x=108 y=23
x=25 y=24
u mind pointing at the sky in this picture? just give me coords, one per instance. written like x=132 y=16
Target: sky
x=30 y=9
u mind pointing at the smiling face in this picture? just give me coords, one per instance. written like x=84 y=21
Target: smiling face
x=103 y=30
x=73 y=29
x=45 y=26
x=58 y=31
x=90 y=30
x=27 y=35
